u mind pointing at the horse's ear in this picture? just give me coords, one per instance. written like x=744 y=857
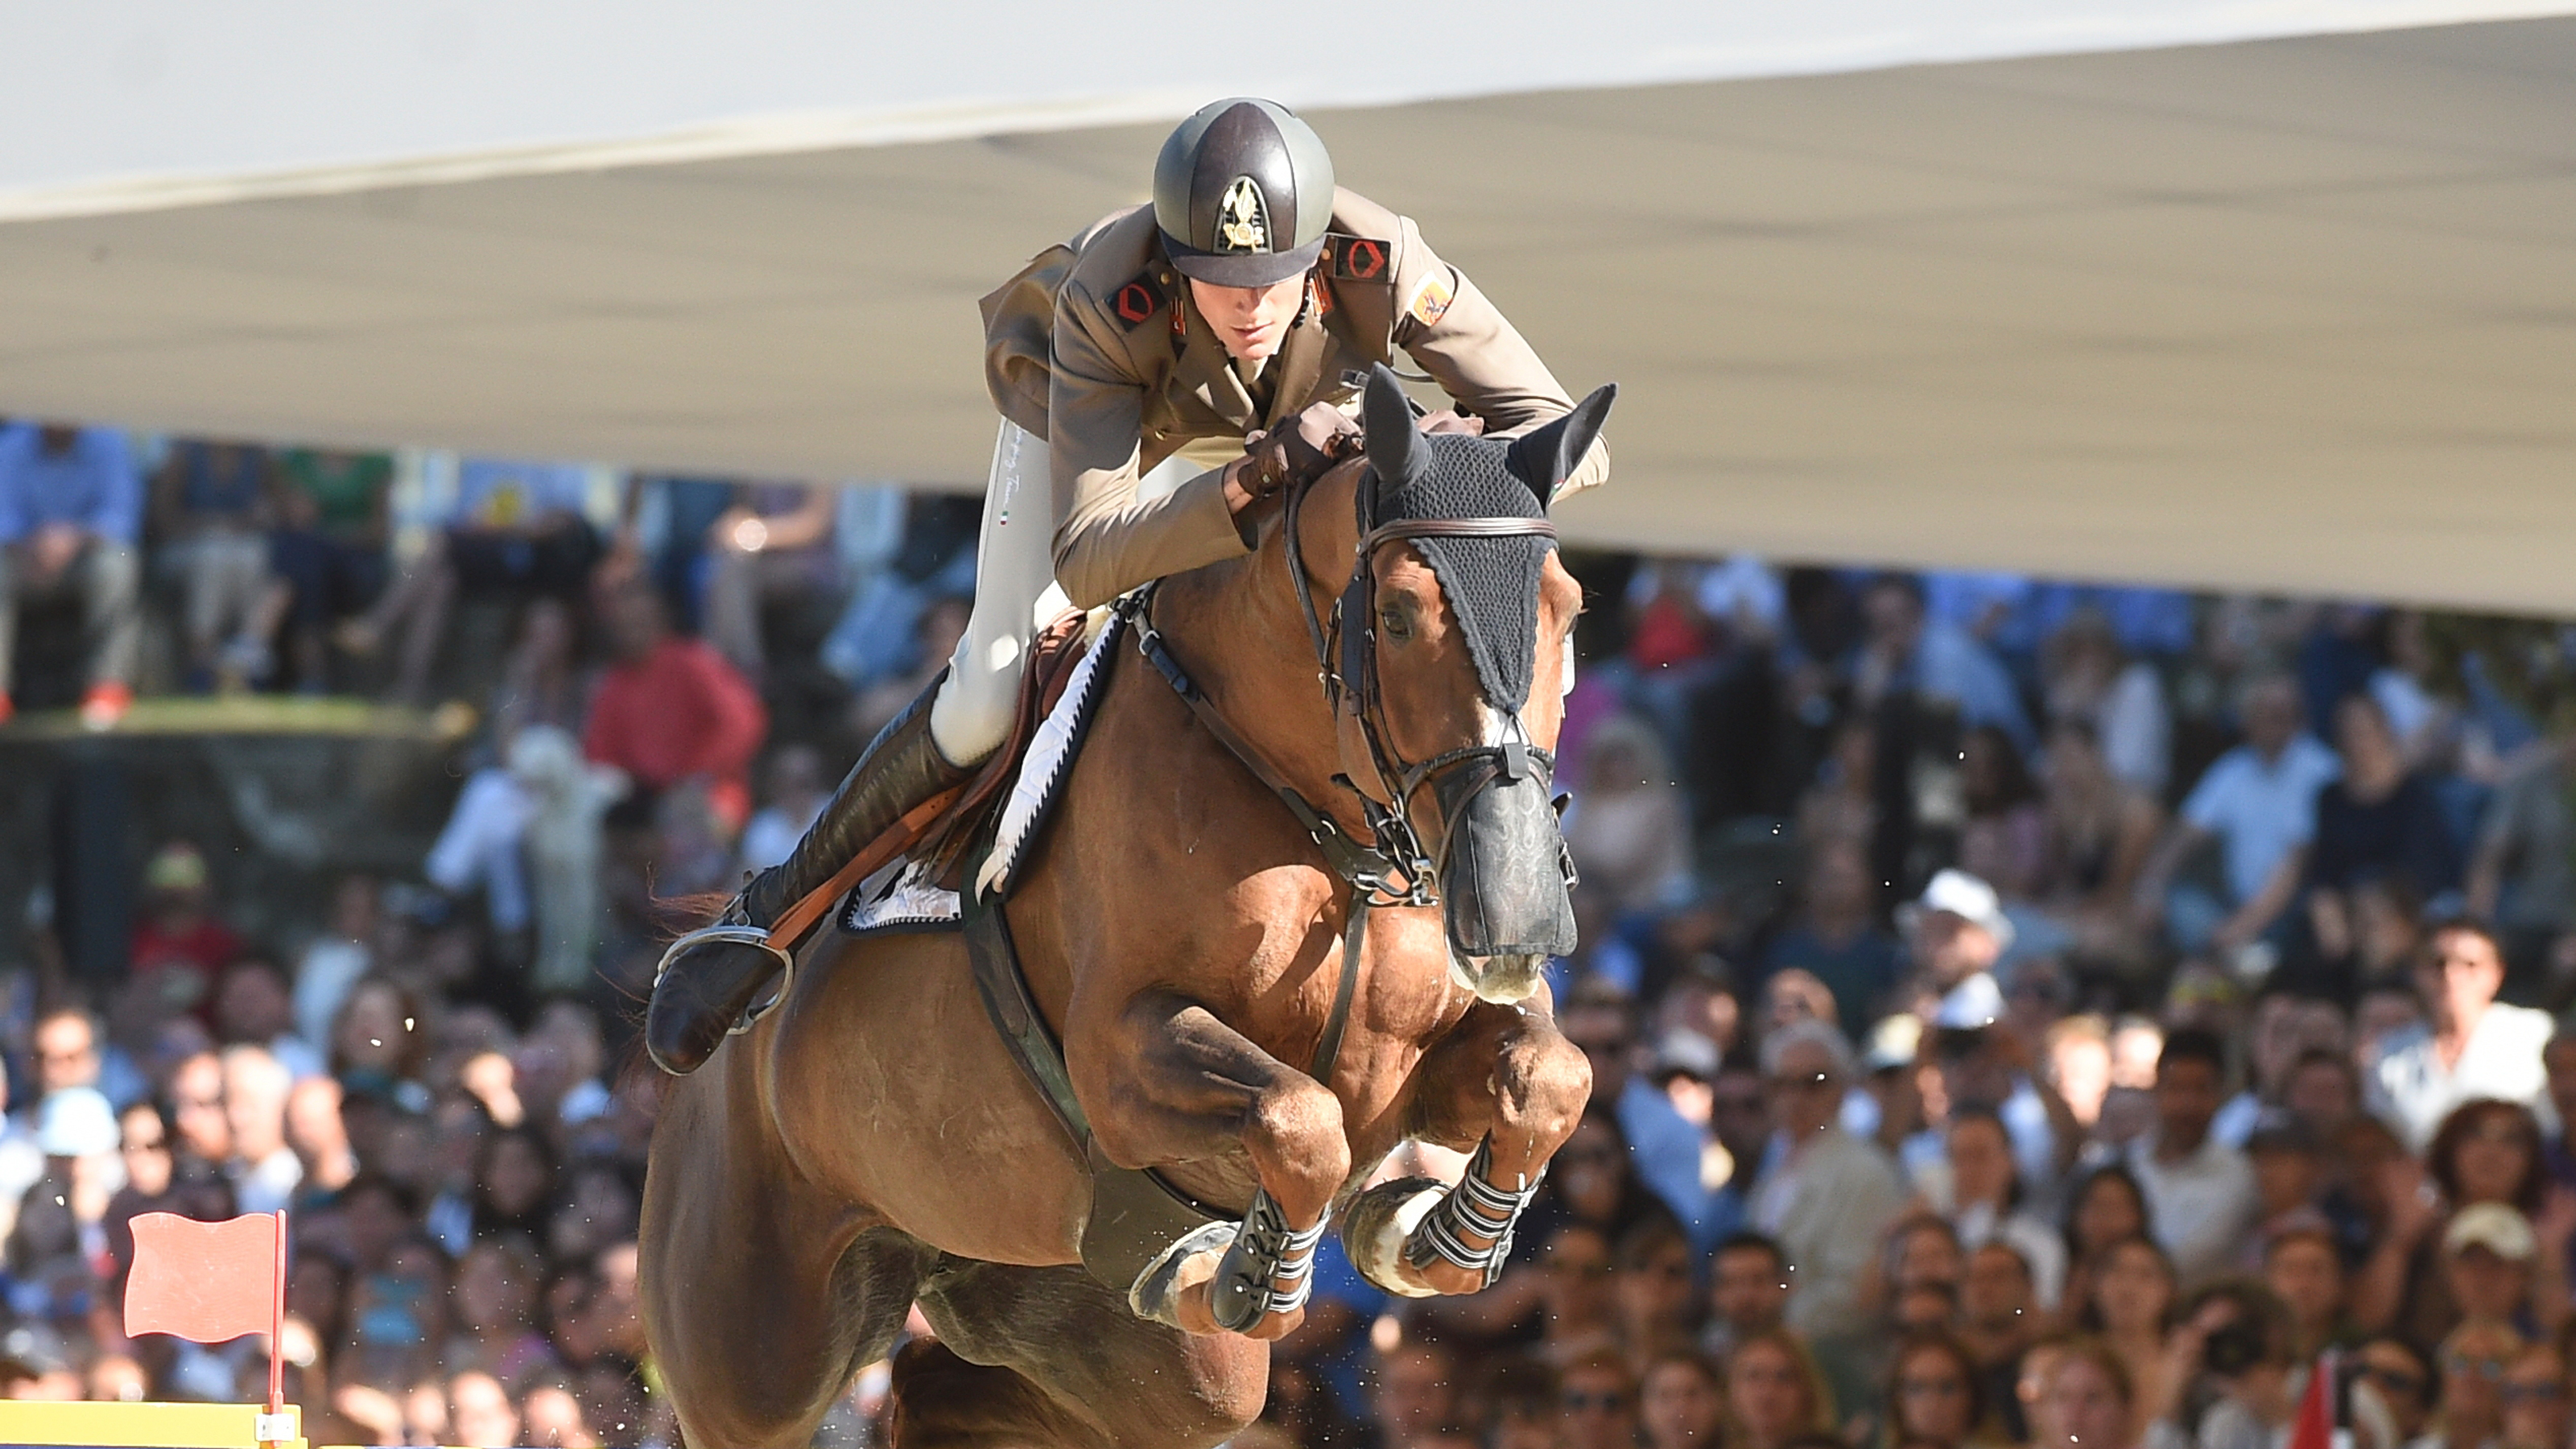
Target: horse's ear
x=1545 y=457
x=1395 y=446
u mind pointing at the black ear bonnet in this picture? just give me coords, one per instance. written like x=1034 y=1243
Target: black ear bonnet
x=1491 y=584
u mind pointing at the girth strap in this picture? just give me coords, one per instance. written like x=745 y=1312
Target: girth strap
x=1134 y=1214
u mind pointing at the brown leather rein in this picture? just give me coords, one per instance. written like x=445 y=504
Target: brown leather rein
x=1391 y=870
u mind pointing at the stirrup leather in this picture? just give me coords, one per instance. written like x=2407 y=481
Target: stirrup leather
x=733 y=932
x=1265 y=1252
x=1476 y=1206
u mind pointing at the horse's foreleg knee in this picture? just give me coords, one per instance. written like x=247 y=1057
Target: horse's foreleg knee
x=1184 y=1085
x=1510 y=1084
x=1189 y=1087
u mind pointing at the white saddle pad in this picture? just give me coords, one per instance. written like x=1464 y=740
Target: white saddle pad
x=901 y=897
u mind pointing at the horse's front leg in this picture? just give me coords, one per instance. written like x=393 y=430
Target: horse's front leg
x=1508 y=1084
x=1183 y=1085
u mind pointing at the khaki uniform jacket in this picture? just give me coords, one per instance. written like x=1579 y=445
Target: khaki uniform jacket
x=1097 y=348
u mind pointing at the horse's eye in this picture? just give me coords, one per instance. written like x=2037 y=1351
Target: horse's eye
x=1393 y=625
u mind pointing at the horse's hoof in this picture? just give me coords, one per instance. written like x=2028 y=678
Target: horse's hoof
x=707 y=981
x=1378 y=1222
x=1188 y=1264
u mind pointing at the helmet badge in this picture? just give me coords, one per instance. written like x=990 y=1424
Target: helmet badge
x=1242 y=218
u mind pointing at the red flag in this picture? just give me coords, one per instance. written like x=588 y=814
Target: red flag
x=205 y=1281
x=2315 y=1426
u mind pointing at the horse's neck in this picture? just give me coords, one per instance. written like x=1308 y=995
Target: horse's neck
x=1238 y=628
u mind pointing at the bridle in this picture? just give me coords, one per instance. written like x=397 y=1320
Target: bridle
x=1393 y=869
x=1346 y=661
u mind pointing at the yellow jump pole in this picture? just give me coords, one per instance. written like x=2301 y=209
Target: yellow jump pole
x=151 y=1426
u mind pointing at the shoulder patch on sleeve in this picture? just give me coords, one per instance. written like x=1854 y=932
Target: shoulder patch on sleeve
x=1358 y=258
x=1136 y=303
x=1431 y=296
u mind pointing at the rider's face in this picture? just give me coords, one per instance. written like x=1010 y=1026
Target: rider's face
x=1250 y=321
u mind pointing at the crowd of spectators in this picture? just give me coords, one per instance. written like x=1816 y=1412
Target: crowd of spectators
x=2018 y=1012
x=2023 y=1013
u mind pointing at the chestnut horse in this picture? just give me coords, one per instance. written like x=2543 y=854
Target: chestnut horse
x=873 y=1142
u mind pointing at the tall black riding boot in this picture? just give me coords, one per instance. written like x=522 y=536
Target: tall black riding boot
x=710 y=977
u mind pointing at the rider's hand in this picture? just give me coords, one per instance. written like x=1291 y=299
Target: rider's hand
x=1298 y=451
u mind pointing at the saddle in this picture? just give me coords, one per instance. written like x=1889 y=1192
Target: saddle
x=941 y=830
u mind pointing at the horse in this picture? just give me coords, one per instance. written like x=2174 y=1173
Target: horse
x=1191 y=924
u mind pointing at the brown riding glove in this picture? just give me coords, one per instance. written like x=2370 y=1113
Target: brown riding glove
x=1293 y=454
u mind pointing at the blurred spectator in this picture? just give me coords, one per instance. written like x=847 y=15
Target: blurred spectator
x=795 y=797
x=1682 y=1402
x=71 y=515
x=264 y=1170
x=2378 y=822
x=671 y=709
x=326 y=555
x=1835 y=935
x=1830 y=1194
x=252 y=1007
x=2258 y=802
x=516 y=528
x=940 y=623
x=2005 y=840
x=1774 y=1392
x=2522 y=875
x=566 y=798
x=1602 y=1020
x=2285 y=1027
x=337 y=959
x=22 y=1161
x=211 y=506
x=1978 y=1188
x=1936 y=660
x=2199 y=1192
x=1935 y=1393
x=2474 y=1359
x=180 y=940
x=1748 y=1292
x=1599 y=1403
x=1629 y=830
x=2534 y=1397
x=1955 y=934
x=2101 y=830
x=2303 y=1266
x=776 y=539
x=479 y=1412
x=2402 y=1377
x=2474 y=1046
x=2116 y=701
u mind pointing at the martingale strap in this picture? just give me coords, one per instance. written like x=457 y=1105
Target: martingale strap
x=1135 y=1214
x=1369 y=872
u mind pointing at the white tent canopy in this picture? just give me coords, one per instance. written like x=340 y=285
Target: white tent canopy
x=2290 y=313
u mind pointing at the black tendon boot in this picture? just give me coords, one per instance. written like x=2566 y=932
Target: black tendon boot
x=710 y=977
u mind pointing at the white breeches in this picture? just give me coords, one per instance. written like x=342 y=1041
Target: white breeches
x=1015 y=589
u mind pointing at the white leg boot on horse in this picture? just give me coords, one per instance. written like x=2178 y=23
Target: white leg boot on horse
x=1509 y=1087
x=709 y=980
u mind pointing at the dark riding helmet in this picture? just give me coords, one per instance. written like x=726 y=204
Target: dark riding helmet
x=1244 y=193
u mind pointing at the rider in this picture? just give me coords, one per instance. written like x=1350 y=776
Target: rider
x=1235 y=318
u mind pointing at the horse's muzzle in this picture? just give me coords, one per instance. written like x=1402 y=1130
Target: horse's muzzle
x=1503 y=881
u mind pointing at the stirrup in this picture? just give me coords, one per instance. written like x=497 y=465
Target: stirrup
x=733 y=934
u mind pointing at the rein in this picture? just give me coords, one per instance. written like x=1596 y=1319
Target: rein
x=1372 y=870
